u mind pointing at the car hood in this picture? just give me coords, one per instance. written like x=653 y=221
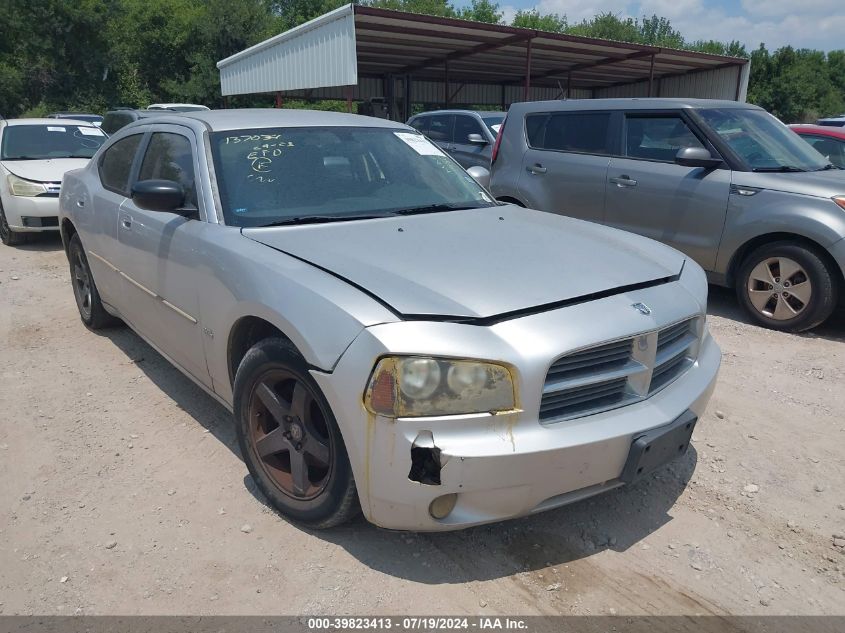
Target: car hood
x=477 y=263
x=824 y=184
x=49 y=170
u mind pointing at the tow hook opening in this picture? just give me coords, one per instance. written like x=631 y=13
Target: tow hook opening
x=425 y=460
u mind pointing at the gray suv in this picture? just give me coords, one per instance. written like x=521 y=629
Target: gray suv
x=466 y=135
x=724 y=182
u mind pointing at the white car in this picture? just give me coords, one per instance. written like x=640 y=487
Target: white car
x=34 y=156
x=177 y=107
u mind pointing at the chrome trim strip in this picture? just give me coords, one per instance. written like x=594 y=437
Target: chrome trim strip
x=178 y=311
x=181 y=313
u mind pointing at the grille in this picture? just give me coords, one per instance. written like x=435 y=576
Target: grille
x=610 y=375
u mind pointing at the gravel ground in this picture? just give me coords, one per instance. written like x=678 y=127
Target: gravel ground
x=122 y=492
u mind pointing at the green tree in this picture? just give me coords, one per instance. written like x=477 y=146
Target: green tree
x=532 y=19
x=482 y=11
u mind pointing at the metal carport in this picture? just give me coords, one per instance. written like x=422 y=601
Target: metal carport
x=359 y=52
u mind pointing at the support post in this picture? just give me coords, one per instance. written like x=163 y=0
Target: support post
x=569 y=85
x=280 y=101
x=409 y=85
x=651 y=78
x=390 y=96
x=446 y=84
x=527 y=70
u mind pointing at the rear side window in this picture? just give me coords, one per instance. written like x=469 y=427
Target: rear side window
x=169 y=157
x=116 y=164
x=440 y=128
x=657 y=137
x=420 y=124
x=113 y=121
x=585 y=132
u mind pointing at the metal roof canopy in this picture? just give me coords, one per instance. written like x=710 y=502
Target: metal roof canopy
x=355 y=51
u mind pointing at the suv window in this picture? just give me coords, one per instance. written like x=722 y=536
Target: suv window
x=585 y=132
x=440 y=128
x=464 y=126
x=169 y=157
x=657 y=137
x=116 y=163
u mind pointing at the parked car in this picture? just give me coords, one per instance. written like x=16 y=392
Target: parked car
x=34 y=155
x=93 y=119
x=827 y=141
x=834 y=121
x=382 y=329
x=724 y=182
x=467 y=135
x=116 y=119
x=177 y=107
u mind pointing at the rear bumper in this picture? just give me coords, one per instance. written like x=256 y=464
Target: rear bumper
x=31 y=214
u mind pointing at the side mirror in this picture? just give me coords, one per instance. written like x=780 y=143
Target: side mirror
x=160 y=195
x=480 y=175
x=476 y=139
x=696 y=157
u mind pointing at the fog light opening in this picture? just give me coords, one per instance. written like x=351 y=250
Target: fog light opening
x=425 y=460
x=442 y=506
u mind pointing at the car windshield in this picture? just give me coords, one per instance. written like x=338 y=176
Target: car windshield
x=493 y=123
x=289 y=175
x=763 y=142
x=39 y=142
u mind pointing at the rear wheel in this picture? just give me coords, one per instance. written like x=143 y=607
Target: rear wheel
x=289 y=438
x=787 y=286
x=7 y=235
x=91 y=309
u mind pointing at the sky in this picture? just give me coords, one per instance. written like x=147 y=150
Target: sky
x=818 y=24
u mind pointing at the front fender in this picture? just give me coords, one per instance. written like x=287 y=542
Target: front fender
x=775 y=212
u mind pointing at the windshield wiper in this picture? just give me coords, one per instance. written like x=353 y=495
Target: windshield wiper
x=826 y=167
x=24 y=158
x=317 y=219
x=433 y=208
x=781 y=168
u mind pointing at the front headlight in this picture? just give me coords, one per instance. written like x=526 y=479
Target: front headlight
x=21 y=187
x=413 y=386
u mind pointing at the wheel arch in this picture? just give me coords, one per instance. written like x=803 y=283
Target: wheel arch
x=768 y=238
x=67 y=231
x=246 y=332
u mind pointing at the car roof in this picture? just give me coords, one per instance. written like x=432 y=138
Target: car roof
x=820 y=130
x=45 y=121
x=629 y=104
x=247 y=118
x=458 y=111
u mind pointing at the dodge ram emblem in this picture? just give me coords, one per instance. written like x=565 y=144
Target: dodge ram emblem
x=641 y=308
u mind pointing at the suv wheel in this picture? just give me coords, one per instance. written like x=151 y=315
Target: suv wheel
x=289 y=437
x=7 y=235
x=786 y=286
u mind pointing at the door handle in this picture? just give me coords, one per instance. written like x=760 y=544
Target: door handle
x=623 y=181
x=537 y=168
x=126 y=223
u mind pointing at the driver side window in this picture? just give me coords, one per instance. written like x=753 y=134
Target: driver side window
x=169 y=157
x=657 y=137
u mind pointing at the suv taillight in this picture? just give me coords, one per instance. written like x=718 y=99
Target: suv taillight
x=498 y=141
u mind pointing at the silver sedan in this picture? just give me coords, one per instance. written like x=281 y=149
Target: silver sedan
x=389 y=338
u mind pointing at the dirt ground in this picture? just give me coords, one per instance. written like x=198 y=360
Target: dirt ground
x=122 y=492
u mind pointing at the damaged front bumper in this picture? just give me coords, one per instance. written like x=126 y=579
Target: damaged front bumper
x=450 y=472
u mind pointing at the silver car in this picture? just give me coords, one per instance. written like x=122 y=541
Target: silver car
x=467 y=136
x=724 y=182
x=387 y=336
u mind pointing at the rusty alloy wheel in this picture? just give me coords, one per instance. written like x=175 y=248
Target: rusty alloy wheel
x=289 y=435
x=81 y=285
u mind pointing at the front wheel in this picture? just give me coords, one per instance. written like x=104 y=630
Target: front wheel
x=289 y=437
x=787 y=286
x=7 y=235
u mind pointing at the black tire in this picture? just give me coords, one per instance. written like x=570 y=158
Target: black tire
x=809 y=311
x=7 y=235
x=274 y=364
x=91 y=309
